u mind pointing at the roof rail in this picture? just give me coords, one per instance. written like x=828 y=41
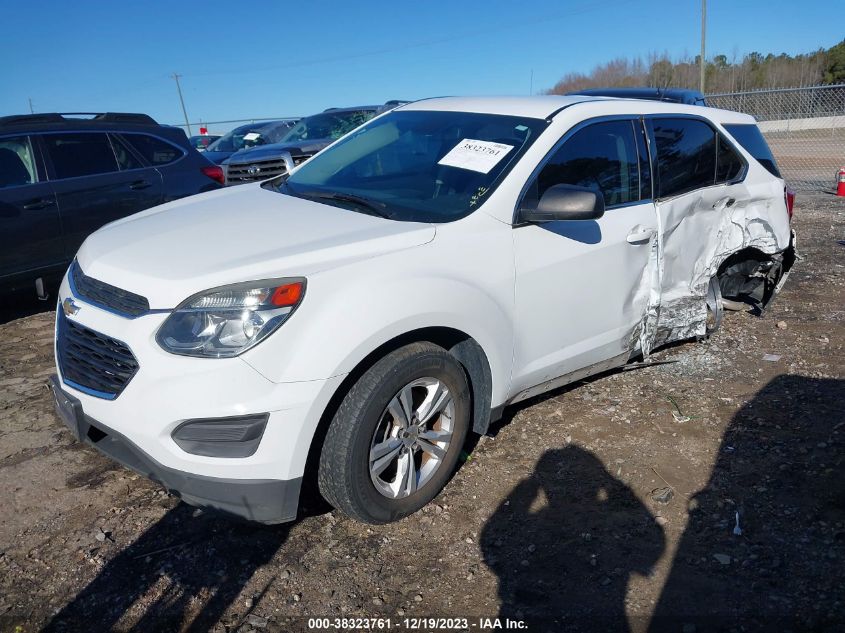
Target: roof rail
x=16 y=119
x=63 y=117
x=125 y=117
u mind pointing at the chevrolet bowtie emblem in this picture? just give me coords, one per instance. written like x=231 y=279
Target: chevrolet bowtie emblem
x=69 y=307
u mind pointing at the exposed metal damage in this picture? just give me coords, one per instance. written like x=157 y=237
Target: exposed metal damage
x=736 y=234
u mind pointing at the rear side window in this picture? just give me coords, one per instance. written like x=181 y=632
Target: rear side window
x=125 y=158
x=602 y=157
x=154 y=150
x=17 y=166
x=751 y=139
x=81 y=154
x=686 y=155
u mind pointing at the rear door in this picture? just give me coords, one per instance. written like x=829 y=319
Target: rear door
x=97 y=181
x=30 y=228
x=180 y=168
x=583 y=286
x=700 y=194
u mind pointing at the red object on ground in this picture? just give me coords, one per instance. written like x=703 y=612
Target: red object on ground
x=840 y=182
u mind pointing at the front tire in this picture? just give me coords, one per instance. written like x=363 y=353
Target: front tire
x=396 y=437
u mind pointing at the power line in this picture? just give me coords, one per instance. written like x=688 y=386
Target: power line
x=509 y=27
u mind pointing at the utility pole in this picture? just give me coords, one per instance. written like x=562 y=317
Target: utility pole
x=182 y=101
x=703 y=31
x=531 y=89
x=31 y=109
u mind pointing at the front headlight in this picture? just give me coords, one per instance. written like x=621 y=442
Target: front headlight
x=224 y=322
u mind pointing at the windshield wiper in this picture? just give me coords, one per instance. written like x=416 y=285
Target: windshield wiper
x=372 y=207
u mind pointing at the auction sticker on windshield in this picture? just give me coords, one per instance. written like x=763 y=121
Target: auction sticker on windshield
x=480 y=156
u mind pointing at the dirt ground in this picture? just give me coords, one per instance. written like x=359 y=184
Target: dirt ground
x=609 y=505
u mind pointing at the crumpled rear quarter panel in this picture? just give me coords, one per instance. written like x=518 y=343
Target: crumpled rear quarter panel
x=697 y=232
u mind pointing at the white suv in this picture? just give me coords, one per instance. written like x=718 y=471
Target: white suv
x=357 y=319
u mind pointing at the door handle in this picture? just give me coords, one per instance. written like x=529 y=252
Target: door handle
x=140 y=184
x=40 y=203
x=640 y=234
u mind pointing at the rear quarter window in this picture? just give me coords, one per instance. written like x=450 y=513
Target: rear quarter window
x=751 y=139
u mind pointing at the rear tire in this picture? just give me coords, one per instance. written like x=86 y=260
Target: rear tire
x=396 y=437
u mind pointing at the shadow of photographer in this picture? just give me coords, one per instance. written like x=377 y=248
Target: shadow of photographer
x=565 y=543
x=780 y=469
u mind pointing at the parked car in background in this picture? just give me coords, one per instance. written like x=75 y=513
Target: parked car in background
x=390 y=105
x=63 y=177
x=403 y=286
x=246 y=136
x=672 y=95
x=305 y=139
x=201 y=142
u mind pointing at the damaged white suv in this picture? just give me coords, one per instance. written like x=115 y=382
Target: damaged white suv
x=356 y=320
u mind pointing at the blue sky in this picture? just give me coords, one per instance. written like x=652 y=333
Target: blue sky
x=295 y=58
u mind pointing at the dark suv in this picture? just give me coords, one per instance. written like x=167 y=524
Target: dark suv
x=247 y=136
x=302 y=141
x=63 y=177
x=672 y=95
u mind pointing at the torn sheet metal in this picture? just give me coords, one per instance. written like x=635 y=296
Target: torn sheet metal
x=697 y=232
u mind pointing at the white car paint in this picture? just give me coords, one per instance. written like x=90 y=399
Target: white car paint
x=546 y=303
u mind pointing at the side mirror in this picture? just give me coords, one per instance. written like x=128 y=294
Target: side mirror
x=565 y=202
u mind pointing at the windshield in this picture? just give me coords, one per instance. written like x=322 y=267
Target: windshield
x=328 y=125
x=239 y=138
x=417 y=166
x=202 y=142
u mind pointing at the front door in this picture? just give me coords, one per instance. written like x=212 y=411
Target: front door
x=97 y=180
x=583 y=286
x=30 y=230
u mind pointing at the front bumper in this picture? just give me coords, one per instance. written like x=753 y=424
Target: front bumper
x=262 y=500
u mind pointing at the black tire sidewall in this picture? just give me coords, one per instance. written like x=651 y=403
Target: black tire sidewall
x=366 y=497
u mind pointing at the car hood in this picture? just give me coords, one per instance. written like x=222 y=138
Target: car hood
x=170 y=252
x=298 y=148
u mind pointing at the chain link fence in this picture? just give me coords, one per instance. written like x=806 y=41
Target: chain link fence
x=805 y=127
x=221 y=127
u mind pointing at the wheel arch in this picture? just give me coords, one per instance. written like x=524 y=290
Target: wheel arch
x=466 y=350
x=754 y=276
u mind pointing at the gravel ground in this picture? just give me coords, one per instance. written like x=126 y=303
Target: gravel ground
x=608 y=505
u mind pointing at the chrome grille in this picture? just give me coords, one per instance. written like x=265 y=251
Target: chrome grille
x=255 y=171
x=92 y=362
x=104 y=295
